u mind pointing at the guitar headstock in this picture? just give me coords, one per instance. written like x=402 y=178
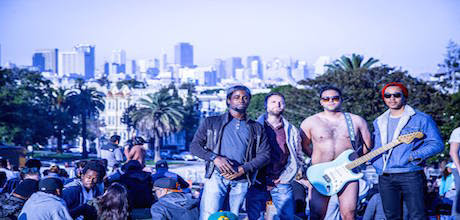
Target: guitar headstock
x=408 y=138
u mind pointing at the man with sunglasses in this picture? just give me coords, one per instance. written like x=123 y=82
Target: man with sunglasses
x=400 y=170
x=325 y=136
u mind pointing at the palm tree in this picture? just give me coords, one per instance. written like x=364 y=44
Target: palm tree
x=60 y=113
x=349 y=64
x=86 y=103
x=157 y=115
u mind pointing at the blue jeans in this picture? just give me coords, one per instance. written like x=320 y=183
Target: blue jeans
x=282 y=197
x=411 y=186
x=215 y=191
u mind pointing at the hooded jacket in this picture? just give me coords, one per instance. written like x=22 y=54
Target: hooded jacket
x=139 y=185
x=295 y=161
x=44 y=206
x=175 y=205
x=74 y=198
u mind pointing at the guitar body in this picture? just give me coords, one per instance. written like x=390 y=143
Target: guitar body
x=330 y=177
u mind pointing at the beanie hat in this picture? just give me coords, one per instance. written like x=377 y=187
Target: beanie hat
x=238 y=87
x=26 y=188
x=398 y=84
x=223 y=216
x=161 y=164
x=50 y=184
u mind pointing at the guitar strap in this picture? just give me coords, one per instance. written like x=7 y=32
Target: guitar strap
x=351 y=131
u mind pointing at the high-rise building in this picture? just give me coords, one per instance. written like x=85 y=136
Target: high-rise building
x=183 y=55
x=86 y=60
x=38 y=60
x=0 y=55
x=119 y=61
x=219 y=66
x=231 y=64
x=133 y=67
x=46 y=60
x=68 y=63
x=254 y=64
x=80 y=61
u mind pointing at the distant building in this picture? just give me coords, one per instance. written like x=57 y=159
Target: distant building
x=86 y=60
x=79 y=62
x=183 y=55
x=38 y=61
x=254 y=64
x=118 y=61
x=219 y=66
x=46 y=60
x=320 y=69
x=231 y=64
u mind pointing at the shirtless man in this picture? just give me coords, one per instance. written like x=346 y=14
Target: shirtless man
x=327 y=132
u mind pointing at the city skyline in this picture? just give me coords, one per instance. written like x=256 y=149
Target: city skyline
x=410 y=34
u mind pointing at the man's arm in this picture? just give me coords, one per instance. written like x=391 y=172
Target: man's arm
x=197 y=147
x=306 y=138
x=432 y=143
x=118 y=154
x=454 y=147
x=365 y=134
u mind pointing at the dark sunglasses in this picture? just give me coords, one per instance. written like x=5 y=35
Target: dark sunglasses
x=396 y=95
x=330 y=98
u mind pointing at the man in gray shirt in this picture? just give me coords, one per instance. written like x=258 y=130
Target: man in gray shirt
x=112 y=152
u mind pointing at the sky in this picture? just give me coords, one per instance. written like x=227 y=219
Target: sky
x=411 y=34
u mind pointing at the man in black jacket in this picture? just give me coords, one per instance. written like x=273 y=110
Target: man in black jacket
x=235 y=148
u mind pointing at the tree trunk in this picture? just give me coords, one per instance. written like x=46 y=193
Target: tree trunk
x=156 y=147
x=59 y=141
x=83 y=135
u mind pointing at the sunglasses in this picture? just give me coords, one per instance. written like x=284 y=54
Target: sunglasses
x=396 y=95
x=330 y=99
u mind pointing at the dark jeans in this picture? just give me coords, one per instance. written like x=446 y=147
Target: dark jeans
x=396 y=187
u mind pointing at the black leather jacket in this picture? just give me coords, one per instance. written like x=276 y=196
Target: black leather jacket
x=206 y=145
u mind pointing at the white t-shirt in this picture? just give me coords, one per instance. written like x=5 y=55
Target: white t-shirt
x=455 y=136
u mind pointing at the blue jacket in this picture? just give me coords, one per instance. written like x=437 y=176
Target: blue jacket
x=73 y=197
x=412 y=120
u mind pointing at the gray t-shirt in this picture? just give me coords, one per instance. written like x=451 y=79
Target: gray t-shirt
x=392 y=124
x=235 y=140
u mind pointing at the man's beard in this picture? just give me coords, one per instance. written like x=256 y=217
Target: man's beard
x=277 y=114
x=240 y=110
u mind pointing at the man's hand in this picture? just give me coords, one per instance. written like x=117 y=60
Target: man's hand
x=275 y=183
x=224 y=165
x=234 y=175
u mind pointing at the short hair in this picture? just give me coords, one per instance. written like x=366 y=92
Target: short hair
x=95 y=166
x=115 y=138
x=236 y=88
x=270 y=95
x=325 y=88
x=138 y=141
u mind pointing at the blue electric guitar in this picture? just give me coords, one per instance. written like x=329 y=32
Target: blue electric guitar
x=330 y=177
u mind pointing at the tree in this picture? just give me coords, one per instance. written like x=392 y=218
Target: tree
x=126 y=118
x=449 y=75
x=349 y=64
x=85 y=103
x=131 y=83
x=191 y=113
x=61 y=119
x=24 y=107
x=158 y=114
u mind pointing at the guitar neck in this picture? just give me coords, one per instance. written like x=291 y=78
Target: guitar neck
x=369 y=156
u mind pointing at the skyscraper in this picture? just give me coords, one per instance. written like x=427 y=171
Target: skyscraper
x=38 y=60
x=68 y=63
x=119 y=60
x=86 y=60
x=254 y=63
x=231 y=64
x=0 y=55
x=219 y=66
x=46 y=60
x=183 y=55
